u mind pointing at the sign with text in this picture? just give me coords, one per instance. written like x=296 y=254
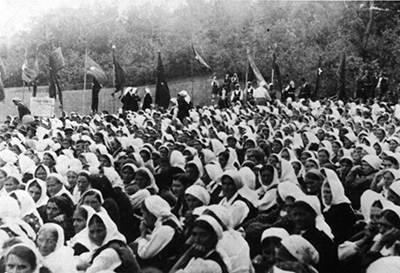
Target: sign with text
x=42 y=107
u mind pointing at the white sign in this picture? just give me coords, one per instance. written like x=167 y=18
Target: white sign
x=42 y=107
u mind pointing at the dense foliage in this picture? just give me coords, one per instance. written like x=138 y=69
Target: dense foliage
x=221 y=30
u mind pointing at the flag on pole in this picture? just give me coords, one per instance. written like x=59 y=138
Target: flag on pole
x=276 y=74
x=319 y=76
x=119 y=74
x=29 y=72
x=94 y=69
x=57 y=61
x=162 y=91
x=254 y=68
x=200 y=59
x=341 y=72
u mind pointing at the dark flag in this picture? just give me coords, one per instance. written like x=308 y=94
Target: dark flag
x=319 y=76
x=56 y=63
x=254 y=68
x=276 y=73
x=341 y=72
x=162 y=91
x=94 y=69
x=200 y=59
x=250 y=73
x=119 y=74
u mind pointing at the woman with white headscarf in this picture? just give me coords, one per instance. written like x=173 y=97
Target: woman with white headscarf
x=267 y=192
x=38 y=191
x=56 y=186
x=203 y=255
x=57 y=257
x=212 y=179
x=28 y=212
x=27 y=255
x=309 y=223
x=80 y=242
x=360 y=178
x=336 y=206
x=161 y=233
x=241 y=208
x=111 y=252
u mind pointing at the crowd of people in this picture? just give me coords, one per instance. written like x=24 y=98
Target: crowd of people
x=300 y=186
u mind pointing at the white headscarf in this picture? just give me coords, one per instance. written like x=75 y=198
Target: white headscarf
x=61 y=259
x=337 y=189
x=200 y=193
x=43 y=196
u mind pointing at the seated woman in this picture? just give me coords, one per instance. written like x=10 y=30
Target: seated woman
x=111 y=252
x=93 y=198
x=13 y=182
x=128 y=172
x=146 y=185
x=59 y=211
x=41 y=172
x=308 y=220
x=212 y=179
x=203 y=254
x=232 y=241
x=336 y=206
x=80 y=242
x=240 y=208
x=38 y=191
x=360 y=178
x=180 y=183
x=49 y=160
x=386 y=242
x=195 y=196
x=295 y=248
x=28 y=212
x=161 y=235
x=57 y=257
x=83 y=184
x=55 y=184
x=24 y=255
x=270 y=243
x=267 y=192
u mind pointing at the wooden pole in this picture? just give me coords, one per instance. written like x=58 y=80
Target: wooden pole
x=192 y=81
x=114 y=74
x=84 y=84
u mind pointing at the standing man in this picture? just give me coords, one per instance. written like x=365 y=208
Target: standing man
x=214 y=87
x=305 y=90
x=96 y=87
x=22 y=108
x=261 y=94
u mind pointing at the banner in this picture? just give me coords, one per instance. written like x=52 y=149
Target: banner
x=199 y=59
x=42 y=107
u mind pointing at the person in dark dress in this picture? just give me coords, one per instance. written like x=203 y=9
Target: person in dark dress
x=305 y=212
x=147 y=100
x=96 y=87
x=337 y=206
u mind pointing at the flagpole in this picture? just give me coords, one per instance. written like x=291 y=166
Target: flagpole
x=191 y=64
x=246 y=79
x=23 y=90
x=84 y=84
x=113 y=53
